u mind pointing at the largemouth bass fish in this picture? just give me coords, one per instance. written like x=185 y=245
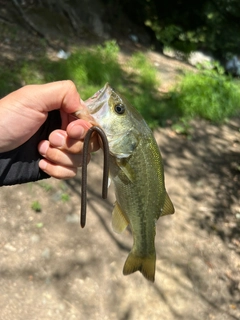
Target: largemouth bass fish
x=136 y=170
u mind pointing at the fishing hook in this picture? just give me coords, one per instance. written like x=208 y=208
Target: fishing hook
x=105 y=148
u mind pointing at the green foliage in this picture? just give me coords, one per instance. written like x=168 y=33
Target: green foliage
x=182 y=127
x=166 y=35
x=65 y=197
x=39 y=225
x=90 y=69
x=186 y=26
x=140 y=89
x=36 y=206
x=147 y=75
x=46 y=186
x=9 y=81
x=208 y=94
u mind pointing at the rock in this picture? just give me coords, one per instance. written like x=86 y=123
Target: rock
x=199 y=57
x=63 y=54
x=233 y=66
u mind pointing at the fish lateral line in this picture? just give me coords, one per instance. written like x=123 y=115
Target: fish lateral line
x=105 y=148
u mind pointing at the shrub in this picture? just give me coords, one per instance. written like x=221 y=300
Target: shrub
x=209 y=94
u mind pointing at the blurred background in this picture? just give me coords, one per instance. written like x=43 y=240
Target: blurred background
x=179 y=64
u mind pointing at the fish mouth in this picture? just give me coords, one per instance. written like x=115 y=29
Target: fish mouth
x=96 y=102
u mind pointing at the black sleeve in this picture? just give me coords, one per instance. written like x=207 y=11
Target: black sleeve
x=21 y=164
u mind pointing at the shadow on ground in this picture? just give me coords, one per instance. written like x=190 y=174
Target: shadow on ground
x=211 y=155
x=50 y=268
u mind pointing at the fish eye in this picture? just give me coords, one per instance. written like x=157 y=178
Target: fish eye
x=119 y=108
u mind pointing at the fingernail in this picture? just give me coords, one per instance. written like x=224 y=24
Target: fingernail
x=42 y=164
x=42 y=148
x=57 y=139
x=77 y=131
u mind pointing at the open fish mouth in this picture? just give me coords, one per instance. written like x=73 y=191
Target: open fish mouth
x=98 y=99
x=100 y=92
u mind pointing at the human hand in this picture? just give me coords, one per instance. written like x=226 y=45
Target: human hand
x=24 y=111
x=62 y=152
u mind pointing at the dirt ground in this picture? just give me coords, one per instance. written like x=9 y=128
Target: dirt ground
x=50 y=268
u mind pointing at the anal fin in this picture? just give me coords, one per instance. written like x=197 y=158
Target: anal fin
x=119 y=220
x=168 y=207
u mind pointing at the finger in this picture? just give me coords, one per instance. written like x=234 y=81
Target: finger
x=57 y=171
x=60 y=139
x=58 y=156
x=78 y=129
x=56 y=95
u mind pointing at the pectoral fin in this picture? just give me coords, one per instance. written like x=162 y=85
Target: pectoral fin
x=119 y=221
x=168 y=207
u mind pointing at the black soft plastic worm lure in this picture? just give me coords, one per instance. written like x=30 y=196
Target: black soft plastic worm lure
x=105 y=148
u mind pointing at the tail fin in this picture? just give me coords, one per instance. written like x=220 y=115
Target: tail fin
x=146 y=265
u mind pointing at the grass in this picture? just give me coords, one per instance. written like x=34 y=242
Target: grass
x=90 y=69
x=208 y=94
x=45 y=185
x=36 y=206
x=65 y=197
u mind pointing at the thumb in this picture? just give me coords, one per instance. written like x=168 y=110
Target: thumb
x=57 y=95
